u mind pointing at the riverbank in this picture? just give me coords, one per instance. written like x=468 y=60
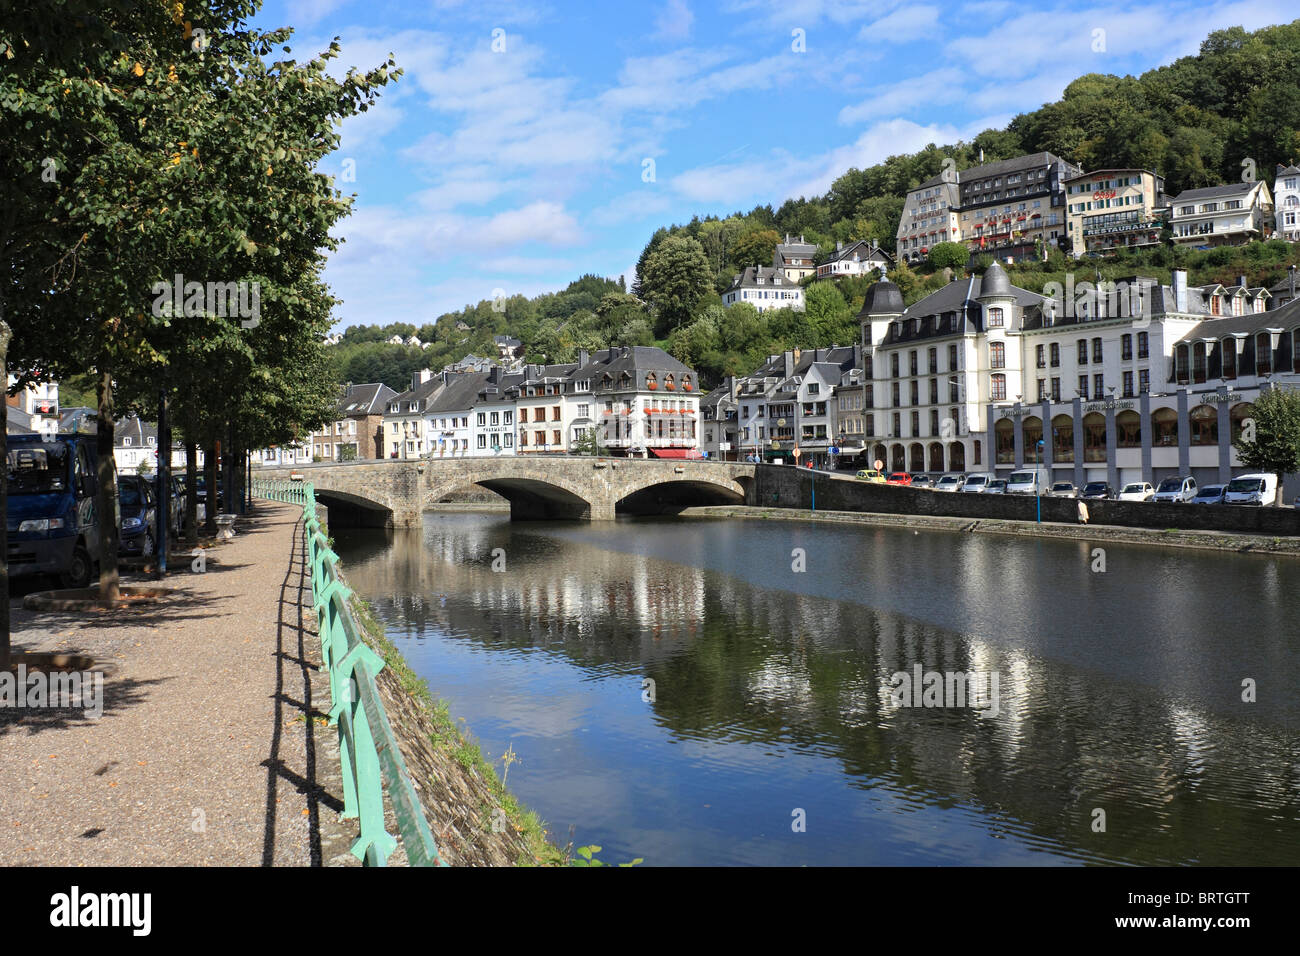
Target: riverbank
x=475 y=819
x=1172 y=537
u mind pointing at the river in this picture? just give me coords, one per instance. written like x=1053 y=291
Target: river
x=712 y=691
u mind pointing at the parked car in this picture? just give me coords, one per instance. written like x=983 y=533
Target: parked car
x=949 y=483
x=870 y=474
x=1023 y=483
x=922 y=481
x=1177 y=490
x=139 y=516
x=1136 y=491
x=1097 y=489
x=898 y=478
x=976 y=483
x=1062 y=489
x=1210 y=495
x=53 y=525
x=998 y=486
x=1258 y=489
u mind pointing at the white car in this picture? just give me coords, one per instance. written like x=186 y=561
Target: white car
x=1251 y=490
x=949 y=483
x=977 y=483
x=1176 y=490
x=1023 y=483
x=1136 y=491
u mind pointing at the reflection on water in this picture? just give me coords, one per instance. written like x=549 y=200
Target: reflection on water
x=678 y=692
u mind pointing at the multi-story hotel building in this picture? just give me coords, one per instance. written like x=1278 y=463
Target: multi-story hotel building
x=1110 y=209
x=929 y=216
x=1010 y=207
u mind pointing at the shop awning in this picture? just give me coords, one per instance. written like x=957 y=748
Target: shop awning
x=675 y=452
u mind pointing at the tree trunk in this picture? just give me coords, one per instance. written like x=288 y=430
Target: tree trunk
x=191 y=493
x=4 y=498
x=210 y=479
x=106 y=494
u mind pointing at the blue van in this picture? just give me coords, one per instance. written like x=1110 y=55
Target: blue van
x=52 y=523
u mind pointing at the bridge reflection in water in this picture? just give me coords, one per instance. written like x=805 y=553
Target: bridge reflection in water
x=1118 y=691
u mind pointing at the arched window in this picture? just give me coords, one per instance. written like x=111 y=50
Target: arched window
x=1228 y=348
x=1004 y=437
x=1062 y=438
x=998 y=388
x=997 y=355
x=1164 y=427
x=1182 y=363
x=1205 y=425
x=1094 y=437
x=1032 y=430
x=1198 y=362
x=995 y=318
x=1128 y=428
x=1263 y=354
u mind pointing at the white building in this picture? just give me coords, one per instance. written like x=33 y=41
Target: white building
x=764 y=289
x=39 y=405
x=494 y=413
x=929 y=216
x=1286 y=198
x=854 y=259
x=795 y=259
x=1222 y=215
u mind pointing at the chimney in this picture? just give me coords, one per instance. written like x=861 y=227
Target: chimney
x=494 y=375
x=1180 y=290
x=838 y=245
x=789 y=363
x=1291 y=273
x=420 y=377
x=583 y=358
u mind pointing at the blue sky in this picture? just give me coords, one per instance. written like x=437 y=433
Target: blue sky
x=522 y=168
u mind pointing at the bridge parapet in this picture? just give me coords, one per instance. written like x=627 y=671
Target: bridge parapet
x=395 y=492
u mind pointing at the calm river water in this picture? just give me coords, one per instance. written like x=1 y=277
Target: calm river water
x=673 y=688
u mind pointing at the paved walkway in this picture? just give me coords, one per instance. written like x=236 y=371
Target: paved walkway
x=211 y=749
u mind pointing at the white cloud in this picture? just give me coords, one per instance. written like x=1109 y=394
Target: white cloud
x=303 y=12
x=674 y=21
x=903 y=25
x=944 y=85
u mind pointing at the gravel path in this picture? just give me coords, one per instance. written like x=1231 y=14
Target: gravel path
x=212 y=747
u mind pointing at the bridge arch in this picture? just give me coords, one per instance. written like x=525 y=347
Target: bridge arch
x=670 y=493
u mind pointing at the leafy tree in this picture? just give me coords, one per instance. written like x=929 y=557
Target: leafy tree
x=948 y=255
x=1276 y=445
x=676 y=277
x=755 y=248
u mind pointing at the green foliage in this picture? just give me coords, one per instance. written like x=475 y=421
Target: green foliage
x=587 y=857
x=675 y=279
x=1276 y=445
x=755 y=248
x=948 y=255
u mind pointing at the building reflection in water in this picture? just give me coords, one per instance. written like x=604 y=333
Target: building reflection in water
x=1185 y=778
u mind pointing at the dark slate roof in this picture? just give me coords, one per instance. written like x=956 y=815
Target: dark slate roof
x=509 y=382
x=18 y=422
x=369 y=399
x=1015 y=164
x=549 y=374
x=1284 y=285
x=633 y=358
x=421 y=393
x=460 y=392
x=996 y=281
x=805 y=250
x=869 y=251
x=139 y=432
x=506 y=340
x=775 y=279
x=1292 y=170
x=1283 y=317
x=1226 y=191
x=955 y=310
x=883 y=298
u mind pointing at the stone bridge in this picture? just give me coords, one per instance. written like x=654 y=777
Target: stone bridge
x=396 y=492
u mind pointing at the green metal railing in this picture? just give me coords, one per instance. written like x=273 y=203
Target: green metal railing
x=367 y=747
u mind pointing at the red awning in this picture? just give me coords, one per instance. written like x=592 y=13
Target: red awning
x=675 y=452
